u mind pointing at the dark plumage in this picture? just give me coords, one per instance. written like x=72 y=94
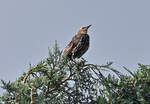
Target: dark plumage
x=78 y=45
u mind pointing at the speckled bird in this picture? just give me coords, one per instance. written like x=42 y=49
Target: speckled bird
x=79 y=44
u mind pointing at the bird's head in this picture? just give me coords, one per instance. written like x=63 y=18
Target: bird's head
x=83 y=29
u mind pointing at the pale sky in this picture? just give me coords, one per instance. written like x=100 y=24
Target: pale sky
x=120 y=31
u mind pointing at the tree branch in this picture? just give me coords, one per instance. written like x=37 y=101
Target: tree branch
x=32 y=95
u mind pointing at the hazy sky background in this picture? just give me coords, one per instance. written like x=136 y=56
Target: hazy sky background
x=120 y=31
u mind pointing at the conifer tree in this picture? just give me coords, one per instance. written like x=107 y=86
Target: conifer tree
x=57 y=80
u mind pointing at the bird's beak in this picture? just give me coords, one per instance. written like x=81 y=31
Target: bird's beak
x=89 y=26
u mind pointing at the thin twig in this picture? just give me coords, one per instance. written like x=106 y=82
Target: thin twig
x=17 y=97
x=47 y=90
x=63 y=81
x=26 y=76
x=55 y=88
x=32 y=95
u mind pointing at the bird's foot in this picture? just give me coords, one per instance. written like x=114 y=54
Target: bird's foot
x=74 y=60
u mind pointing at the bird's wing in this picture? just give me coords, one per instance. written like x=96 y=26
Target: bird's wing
x=82 y=46
x=68 y=48
x=71 y=45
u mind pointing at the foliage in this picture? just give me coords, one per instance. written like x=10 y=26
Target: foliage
x=57 y=80
x=134 y=89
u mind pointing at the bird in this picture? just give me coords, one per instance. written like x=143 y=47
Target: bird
x=79 y=44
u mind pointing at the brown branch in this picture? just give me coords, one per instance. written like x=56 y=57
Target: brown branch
x=26 y=76
x=55 y=88
x=63 y=81
x=47 y=90
x=32 y=95
x=17 y=97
